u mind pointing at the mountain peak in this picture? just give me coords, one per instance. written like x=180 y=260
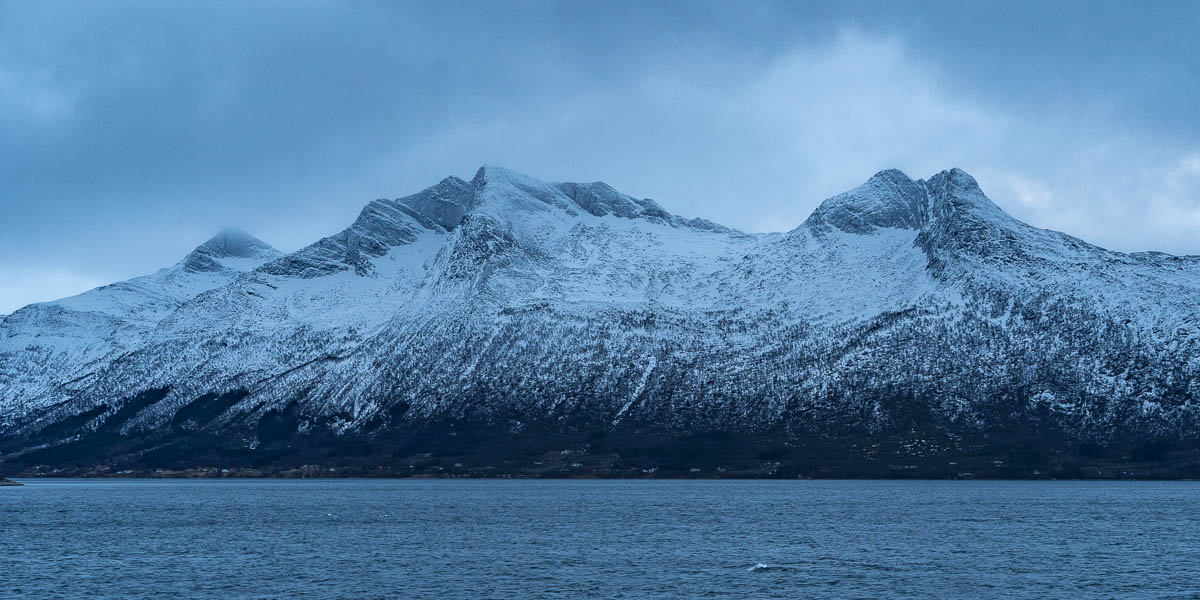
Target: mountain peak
x=444 y=204
x=493 y=174
x=888 y=199
x=228 y=243
x=955 y=178
x=891 y=175
x=231 y=241
x=956 y=192
x=500 y=192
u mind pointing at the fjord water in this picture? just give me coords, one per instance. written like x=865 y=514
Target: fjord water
x=571 y=539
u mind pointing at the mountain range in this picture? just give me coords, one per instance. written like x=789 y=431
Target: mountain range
x=506 y=325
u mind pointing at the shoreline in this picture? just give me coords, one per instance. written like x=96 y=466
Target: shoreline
x=580 y=465
x=581 y=477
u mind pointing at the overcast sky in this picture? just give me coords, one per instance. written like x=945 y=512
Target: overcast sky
x=131 y=132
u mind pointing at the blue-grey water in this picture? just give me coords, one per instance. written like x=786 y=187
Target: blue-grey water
x=610 y=539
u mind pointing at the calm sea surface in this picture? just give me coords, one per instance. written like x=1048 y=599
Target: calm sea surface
x=574 y=539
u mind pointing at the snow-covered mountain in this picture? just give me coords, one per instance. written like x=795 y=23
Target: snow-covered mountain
x=49 y=345
x=519 y=308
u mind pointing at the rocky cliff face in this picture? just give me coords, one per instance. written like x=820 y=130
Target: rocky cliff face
x=519 y=309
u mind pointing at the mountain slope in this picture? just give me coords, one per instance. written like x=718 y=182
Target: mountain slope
x=519 y=309
x=43 y=346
